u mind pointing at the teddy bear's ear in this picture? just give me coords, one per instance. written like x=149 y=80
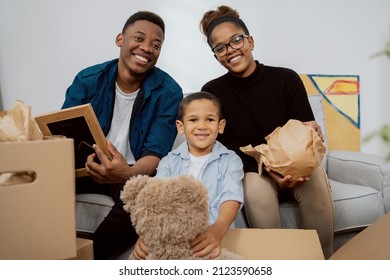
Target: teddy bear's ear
x=131 y=189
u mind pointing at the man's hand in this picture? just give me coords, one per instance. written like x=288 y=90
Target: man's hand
x=114 y=171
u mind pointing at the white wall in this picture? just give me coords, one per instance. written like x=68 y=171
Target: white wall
x=44 y=43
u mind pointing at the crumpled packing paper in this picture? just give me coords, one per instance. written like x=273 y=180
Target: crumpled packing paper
x=293 y=149
x=18 y=124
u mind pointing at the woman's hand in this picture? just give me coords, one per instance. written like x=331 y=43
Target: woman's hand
x=286 y=180
x=316 y=127
x=140 y=251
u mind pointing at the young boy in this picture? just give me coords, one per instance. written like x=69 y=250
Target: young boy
x=221 y=170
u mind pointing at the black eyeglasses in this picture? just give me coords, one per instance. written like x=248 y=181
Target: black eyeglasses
x=236 y=43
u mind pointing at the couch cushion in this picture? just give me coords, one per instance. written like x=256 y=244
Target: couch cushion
x=289 y=214
x=91 y=209
x=348 y=200
x=315 y=101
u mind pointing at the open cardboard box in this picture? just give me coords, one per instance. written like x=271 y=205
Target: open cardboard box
x=373 y=243
x=84 y=249
x=37 y=218
x=274 y=244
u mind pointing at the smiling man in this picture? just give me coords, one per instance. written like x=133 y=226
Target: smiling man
x=136 y=104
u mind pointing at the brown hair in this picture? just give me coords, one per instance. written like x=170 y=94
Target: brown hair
x=212 y=18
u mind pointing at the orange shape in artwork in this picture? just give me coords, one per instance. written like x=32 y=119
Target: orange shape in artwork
x=343 y=87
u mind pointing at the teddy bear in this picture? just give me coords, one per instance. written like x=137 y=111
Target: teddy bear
x=168 y=213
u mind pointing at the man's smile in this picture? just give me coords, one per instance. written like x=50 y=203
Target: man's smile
x=141 y=58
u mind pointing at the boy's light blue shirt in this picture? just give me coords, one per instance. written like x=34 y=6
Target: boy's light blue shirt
x=222 y=175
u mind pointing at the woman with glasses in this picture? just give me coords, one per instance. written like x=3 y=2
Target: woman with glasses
x=256 y=99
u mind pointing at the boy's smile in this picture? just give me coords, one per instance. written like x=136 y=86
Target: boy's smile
x=201 y=125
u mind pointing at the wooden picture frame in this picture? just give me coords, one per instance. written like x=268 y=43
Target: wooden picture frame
x=79 y=123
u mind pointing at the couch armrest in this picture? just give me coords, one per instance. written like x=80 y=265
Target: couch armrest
x=360 y=169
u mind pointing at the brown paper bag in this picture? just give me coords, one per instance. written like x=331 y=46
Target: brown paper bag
x=18 y=124
x=294 y=149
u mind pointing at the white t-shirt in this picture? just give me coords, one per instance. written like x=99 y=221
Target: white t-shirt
x=197 y=165
x=120 y=123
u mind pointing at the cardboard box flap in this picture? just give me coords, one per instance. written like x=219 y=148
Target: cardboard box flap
x=274 y=244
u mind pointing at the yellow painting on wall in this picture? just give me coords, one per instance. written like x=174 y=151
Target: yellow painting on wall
x=341 y=102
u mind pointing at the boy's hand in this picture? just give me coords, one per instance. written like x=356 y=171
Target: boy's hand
x=208 y=242
x=140 y=251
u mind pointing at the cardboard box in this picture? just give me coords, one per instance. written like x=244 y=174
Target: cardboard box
x=373 y=243
x=274 y=244
x=38 y=218
x=84 y=249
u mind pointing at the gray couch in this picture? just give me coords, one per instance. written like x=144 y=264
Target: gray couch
x=360 y=186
